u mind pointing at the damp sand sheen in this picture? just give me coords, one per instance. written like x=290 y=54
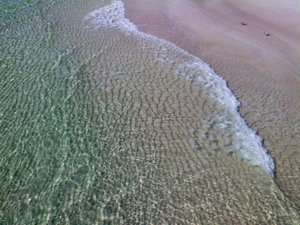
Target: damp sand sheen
x=103 y=124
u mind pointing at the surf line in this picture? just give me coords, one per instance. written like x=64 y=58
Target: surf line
x=246 y=143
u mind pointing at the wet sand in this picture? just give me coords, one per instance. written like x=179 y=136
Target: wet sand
x=255 y=47
x=100 y=128
x=156 y=123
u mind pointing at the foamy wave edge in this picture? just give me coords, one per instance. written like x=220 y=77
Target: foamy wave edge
x=246 y=140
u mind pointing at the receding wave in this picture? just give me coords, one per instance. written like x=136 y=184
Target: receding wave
x=226 y=122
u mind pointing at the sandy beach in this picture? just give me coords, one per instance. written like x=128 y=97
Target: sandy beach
x=101 y=123
x=254 y=45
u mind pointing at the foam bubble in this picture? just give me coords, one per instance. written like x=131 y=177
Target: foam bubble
x=245 y=141
x=112 y=15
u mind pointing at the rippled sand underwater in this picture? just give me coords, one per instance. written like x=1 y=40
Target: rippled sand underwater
x=100 y=124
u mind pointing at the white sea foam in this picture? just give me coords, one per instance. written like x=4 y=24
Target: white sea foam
x=245 y=141
x=112 y=15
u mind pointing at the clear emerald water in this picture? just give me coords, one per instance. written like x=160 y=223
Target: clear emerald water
x=89 y=133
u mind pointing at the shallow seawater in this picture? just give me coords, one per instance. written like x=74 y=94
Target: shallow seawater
x=100 y=124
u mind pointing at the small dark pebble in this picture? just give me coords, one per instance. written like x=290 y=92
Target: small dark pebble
x=244 y=24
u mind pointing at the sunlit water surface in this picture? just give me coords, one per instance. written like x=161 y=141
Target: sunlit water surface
x=100 y=124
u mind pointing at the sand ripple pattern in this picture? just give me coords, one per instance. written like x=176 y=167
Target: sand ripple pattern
x=98 y=127
x=244 y=141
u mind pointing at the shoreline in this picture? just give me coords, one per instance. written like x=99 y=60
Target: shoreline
x=256 y=56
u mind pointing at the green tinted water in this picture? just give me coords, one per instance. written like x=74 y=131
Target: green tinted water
x=93 y=129
x=48 y=134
